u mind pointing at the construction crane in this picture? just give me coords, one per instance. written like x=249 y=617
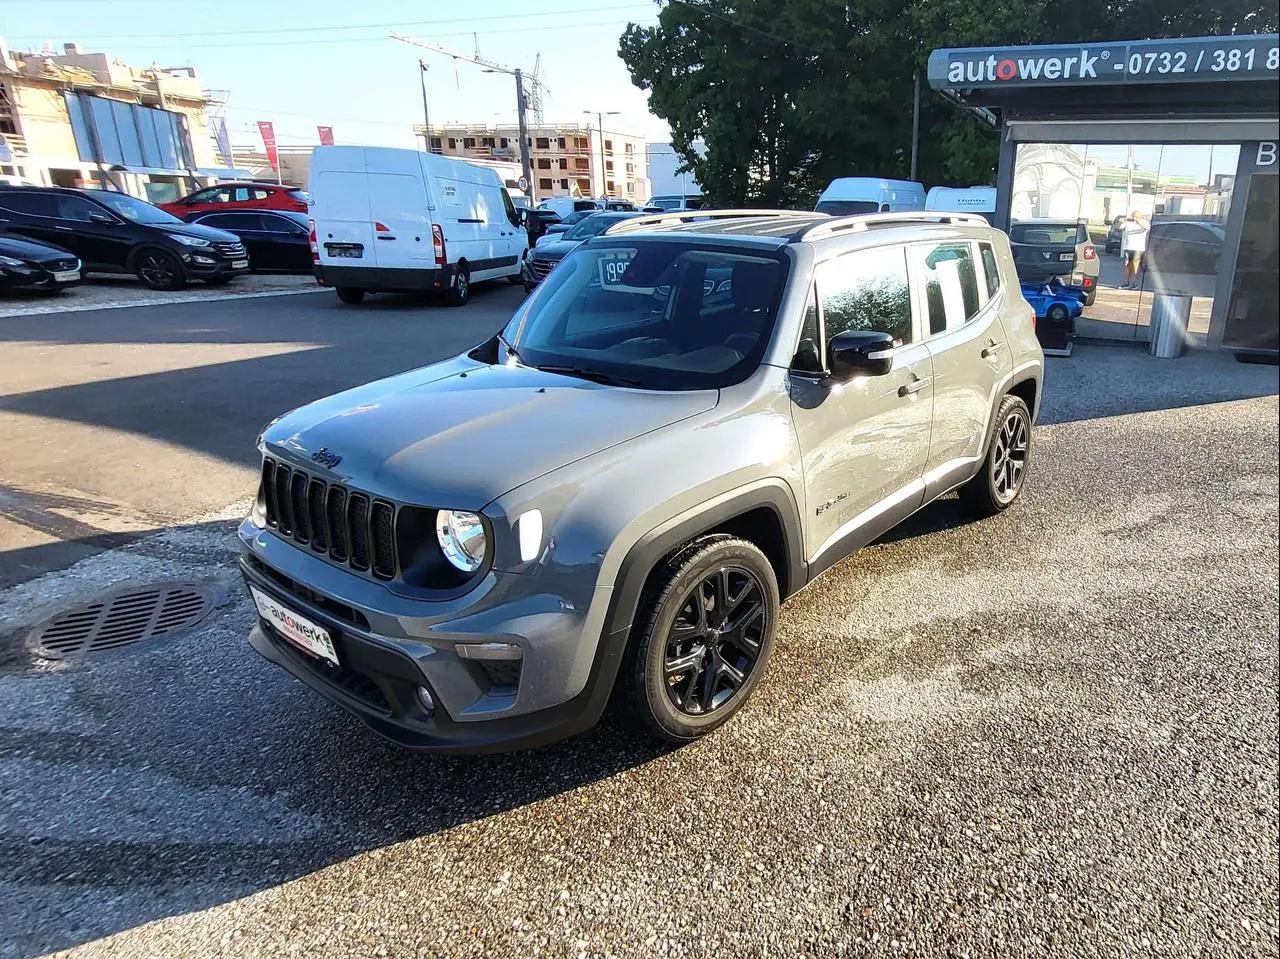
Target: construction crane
x=532 y=100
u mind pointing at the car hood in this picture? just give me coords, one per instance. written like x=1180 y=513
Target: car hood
x=30 y=250
x=554 y=249
x=459 y=434
x=198 y=230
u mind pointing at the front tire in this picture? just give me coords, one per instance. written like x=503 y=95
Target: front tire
x=703 y=636
x=1058 y=313
x=159 y=270
x=351 y=295
x=999 y=482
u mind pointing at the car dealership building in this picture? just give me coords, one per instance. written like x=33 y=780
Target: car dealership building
x=1167 y=150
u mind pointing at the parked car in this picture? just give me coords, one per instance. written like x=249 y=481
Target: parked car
x=393 y=220
x=609 y=498
x=1184 y=246
x=562 y=206
x=560 y=226
x=674 y=202
x=1115 y=234
x=851 y=195
x=27 y=265
x=973 y=199
x=117 y=233
x=1045 y=248
x=278 y=241
x=538 y=223
x=240 y=196
x=550 y=250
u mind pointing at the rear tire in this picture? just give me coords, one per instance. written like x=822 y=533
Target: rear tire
x=1058 y=313
x=351 y=295
x=460 y=291
x=703 y=635
x=1004 y=471
x=160 y=270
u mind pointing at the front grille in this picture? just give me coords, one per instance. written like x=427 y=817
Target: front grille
x=61 y=266
x=346 y=525
x=540 y=268
x=232 y=250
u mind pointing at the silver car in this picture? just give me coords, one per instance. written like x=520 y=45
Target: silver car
x=691 y=418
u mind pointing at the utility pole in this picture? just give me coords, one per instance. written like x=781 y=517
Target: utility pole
x=426 y=116
x=915 y=122
x=526 y=164
x=604 y=177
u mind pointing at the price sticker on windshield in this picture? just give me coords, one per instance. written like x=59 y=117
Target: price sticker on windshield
x=613 y=266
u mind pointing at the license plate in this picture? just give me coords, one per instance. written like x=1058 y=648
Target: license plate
x=613 y=265
x=239 y=264
x=66 y=276
x=1066 y=256
x=344 y=251
x=300 y=631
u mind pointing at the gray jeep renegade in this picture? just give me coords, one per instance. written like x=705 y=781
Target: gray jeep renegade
x=692 y=417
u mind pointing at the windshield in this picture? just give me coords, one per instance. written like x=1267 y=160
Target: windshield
x=847 y=207
x=133 y=209
x=1040 y=234
x=667 y=203
x=593 y=225
x=655 y=314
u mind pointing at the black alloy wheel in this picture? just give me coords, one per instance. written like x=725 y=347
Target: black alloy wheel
x=159 y=270
x=715 y=641
x=1000 y=481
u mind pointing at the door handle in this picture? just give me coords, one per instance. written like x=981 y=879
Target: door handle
x=384 y=237
x=906 y=389
x=59 y=226
x=992 y=349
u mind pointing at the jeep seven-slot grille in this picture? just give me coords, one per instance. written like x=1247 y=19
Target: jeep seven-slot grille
x=346 y=525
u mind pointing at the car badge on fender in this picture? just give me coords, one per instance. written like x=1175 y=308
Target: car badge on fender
x=326 y=457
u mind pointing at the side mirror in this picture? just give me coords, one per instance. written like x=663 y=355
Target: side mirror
x=860 y=353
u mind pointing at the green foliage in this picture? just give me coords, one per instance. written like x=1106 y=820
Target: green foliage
x=788 y=94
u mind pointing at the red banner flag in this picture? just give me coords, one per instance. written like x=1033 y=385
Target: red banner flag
x=268 y=132
x=326 y=136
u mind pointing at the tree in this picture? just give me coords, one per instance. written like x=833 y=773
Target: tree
x=788 y=94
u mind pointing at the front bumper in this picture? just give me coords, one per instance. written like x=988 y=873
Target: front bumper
x=36 y=279
x=477 y=708
x=196 y=267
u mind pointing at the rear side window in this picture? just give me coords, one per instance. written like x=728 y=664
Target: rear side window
x=951 y=284
x=867 y=290
x=233 y=221
x=32 y=204
x=990 y=268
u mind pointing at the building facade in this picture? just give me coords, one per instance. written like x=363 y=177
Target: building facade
x=88 y=120
x=567 y=159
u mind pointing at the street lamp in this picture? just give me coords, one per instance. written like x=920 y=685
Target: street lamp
x=600 y=115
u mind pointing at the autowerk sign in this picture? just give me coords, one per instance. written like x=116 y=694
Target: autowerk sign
x=1188 y=60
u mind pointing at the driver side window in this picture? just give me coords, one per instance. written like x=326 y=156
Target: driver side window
x=867 y=291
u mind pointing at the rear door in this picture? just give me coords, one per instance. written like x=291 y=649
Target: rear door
x=287 y=241
x=463 y=224
x=961 y=293
x=340 y=209
x=401 y=221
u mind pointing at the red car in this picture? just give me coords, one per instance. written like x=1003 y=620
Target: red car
x=240 y=196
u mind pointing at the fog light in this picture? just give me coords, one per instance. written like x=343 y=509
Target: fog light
x=425 y=701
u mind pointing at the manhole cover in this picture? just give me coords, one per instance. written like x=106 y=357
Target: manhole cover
x=121 y=618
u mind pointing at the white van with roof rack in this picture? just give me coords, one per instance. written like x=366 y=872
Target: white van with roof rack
x=388 y=220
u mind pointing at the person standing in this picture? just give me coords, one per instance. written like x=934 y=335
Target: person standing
x=1133 y=245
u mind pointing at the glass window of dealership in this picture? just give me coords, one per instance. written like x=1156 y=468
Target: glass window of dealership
x=1165 y=150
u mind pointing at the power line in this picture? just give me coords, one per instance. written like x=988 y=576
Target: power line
x=615 y=8
x=731 y=21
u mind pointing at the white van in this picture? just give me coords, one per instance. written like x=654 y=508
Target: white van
x=391 y=220
x=955 y=199
x=855 y=195
x=562 y=206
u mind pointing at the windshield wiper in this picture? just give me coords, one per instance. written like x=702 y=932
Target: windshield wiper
x=595 y=376
x=510 y=349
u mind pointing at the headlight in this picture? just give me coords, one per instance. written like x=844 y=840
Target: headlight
x=462 y=539
x=187 y=240
x=10 y=261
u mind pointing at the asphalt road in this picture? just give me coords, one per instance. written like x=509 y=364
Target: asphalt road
x=1053 y=733
x=122 y=421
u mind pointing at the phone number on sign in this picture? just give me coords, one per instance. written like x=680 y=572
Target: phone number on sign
x=1232 y=60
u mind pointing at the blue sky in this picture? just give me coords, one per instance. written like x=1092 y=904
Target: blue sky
x=331 y=62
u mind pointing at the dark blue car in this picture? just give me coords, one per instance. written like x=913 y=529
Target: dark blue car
x=1052 y=301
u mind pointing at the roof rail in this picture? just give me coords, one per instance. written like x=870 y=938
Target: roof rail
x=676 y=217
x=858 y=224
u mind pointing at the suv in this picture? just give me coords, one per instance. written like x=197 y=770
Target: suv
x=240 y=196
x=117 y=233
x=1043 y=249
x=691 y=418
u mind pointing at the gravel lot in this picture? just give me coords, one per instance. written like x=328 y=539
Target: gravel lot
x=1053 y=733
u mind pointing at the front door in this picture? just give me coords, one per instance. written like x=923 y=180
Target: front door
x=962 y=294
x=864 y=442
x=101 y=238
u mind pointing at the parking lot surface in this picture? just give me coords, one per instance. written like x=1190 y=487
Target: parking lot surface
x=1053 y=733
x=118 y=292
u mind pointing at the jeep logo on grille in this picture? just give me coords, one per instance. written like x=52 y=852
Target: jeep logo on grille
x=326 y=457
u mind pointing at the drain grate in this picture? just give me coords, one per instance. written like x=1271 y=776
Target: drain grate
x=121 y=618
